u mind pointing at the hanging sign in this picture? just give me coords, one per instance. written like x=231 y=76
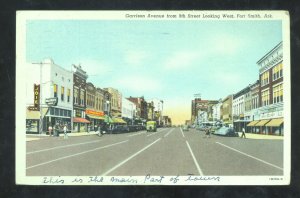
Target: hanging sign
x=36 y=96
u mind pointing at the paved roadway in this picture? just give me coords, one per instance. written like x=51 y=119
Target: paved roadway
x=166 y=152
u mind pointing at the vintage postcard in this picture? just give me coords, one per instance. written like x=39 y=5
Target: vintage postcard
x=153 y=98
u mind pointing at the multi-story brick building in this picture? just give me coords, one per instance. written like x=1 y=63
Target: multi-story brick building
x=79 y=100
x=271 y=92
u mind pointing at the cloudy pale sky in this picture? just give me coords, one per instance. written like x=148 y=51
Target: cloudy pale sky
x=169 y=60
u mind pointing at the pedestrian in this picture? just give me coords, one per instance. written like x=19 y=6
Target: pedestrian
x=207 y=132
x=65 y=132
x=50 y=130
x=99 y=130
x=243 y=133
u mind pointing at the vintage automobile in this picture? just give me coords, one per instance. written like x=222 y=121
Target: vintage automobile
x=151 y=126
x=226 y=131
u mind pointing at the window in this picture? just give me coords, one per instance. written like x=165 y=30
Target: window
x=265 y=97
x=75 y=95
x=277 y=71
x=55 y=90
x=265 y=78
x=82 y=93
x=69 y=93
x=62 y=93
x=56 y=111
x=278 y=93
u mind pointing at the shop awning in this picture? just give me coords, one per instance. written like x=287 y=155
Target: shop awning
x=108 y=119
x=35 y=115
x=275 y=122
x=262 y=122
x=118 y=120
x=81 y=120
x=96 y=117
x=253 y=123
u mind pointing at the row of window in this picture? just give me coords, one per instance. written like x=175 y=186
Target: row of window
x=277 y=95
x=276 y=71
x=79 y=100
x=62 y=93
x=60 y=112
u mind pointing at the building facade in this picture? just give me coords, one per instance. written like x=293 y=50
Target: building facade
x=271 y=92
x=128 y=111
x=226 y=110
x=79 y=100
x=202 y=110
x=251 y=107
x=94 y=110
x=238 y=108
x=141 y=109
x=115 y=103
x=158 y=110
x=49 y=98
x=150 y=110
x=217 y=111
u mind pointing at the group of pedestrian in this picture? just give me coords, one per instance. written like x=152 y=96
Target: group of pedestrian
x=54 y=131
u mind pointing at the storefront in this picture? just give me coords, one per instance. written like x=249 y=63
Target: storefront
x=251 y=127
x=33 y=121
x=58 y=116
x=95 y=118
x=80 y=124
x=275 y=126
x=260 y=126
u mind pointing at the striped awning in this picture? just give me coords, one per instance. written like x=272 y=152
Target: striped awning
x=253 y=123
x=262 y=122
x=275 y=122
x=81 y=120
x=96 y=117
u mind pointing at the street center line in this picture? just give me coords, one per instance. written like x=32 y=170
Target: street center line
x=152 y=134
x=182 y=132
x=61 y=158
x=250 y=156
x=195 y=160
x=168 y=133
x=136 y=134
x=129 y=158
x=58 y=147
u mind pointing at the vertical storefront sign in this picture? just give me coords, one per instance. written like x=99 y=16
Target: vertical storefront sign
x=36 y=101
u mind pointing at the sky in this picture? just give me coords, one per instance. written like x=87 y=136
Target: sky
x=168 y=60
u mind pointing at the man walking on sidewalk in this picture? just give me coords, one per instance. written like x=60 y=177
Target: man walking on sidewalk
x=243 y=133
x=65 y=132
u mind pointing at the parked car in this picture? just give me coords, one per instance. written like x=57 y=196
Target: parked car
x=119 y=129
x=226 y=131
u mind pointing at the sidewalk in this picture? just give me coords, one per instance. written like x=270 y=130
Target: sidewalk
x=261 y=136
x=32 y=137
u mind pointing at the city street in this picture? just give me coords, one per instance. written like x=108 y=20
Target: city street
x=170 y=151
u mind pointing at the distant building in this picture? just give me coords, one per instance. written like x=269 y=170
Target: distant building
x=141 y=108
x=217 y=111
x=202 y=110
x=251 y=106
x=238 y=109
x=158 y=110
x=128 y=111
x=116 y=102
x=226 y=110
x=150 y=111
